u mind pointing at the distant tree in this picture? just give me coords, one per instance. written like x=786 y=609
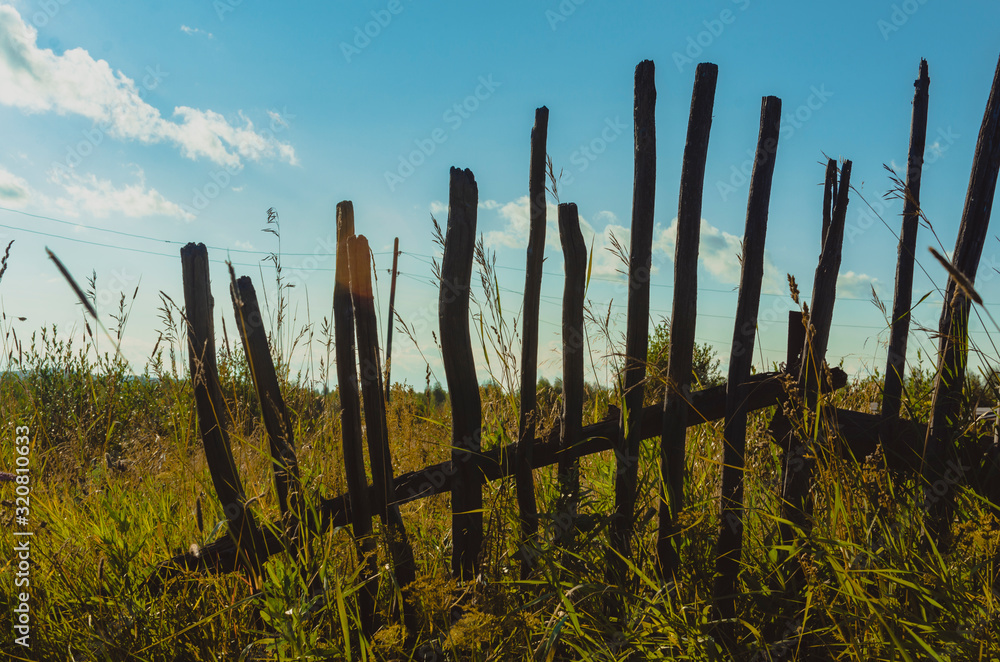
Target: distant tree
x=438 y=394
x=704 y=364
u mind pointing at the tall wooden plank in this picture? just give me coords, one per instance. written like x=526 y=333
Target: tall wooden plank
x=213 y=417
x=392 y=320
x=684 y=313
x=795 y=342
x=524 y=480
x=798 y=463
x=941 y=458
x=350 y=418
x=730 y=542
x=460 y=373
x=575 y=260
x=637 y=323
x=278 y=424
x=376 y=429
x=903 y=296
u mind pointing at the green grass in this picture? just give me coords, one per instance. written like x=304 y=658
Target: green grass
x=118 y=476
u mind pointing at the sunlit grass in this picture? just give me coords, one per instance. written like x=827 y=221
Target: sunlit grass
x=118 y=477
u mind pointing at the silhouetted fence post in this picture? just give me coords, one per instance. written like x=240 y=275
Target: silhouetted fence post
x=350 y=419
x=940 y=450
x=460 y=372
x=376 y=430
x=903 y=297
x=730 y=544
x=575 y=260
x=213 y=415
x=684 y=314
x=796 y=341
x=392 y=320
x=524 y=481
x=798 y=462
x=250 y=324
x=637 y=324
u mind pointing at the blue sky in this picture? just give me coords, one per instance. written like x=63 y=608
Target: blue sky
x=186 y=121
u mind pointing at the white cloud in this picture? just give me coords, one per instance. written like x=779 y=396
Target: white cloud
x=14 y=191
x=101 y=198
x=719 y=252
x=516 y=224
x=193 y=31
x=855 y=285
x=36 y=80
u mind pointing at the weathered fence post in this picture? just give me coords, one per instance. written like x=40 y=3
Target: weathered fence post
x=684 y=313
x=796 y=341
x=940 y=450
x=730 y=544
x=524 y=481
x=376 y=430
x=272 y=405
x=213 y=416
x=392 y=321
x=637 y=324
x=460 y=373
x=798 y=461
x=350 y=419
x=829 y=199
x=903 y=297
x=575 y=259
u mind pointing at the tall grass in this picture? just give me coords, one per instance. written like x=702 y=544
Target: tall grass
x=120 y=484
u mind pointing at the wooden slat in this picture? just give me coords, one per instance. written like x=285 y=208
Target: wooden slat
x=573 y=351
x=524 y=480
x=278 y=424
x=903 y=297
x=684 y=313
x=392 y=321
x=350 y=418
x=730 y=543
x=213 y=416
x=376 y=429
x=953 y=328
x=637 y=323
x=798 y=464
x=460 y=372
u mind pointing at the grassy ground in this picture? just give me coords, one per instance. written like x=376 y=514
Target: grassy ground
x=119 y=483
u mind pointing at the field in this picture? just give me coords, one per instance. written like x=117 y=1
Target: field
x=119 y=484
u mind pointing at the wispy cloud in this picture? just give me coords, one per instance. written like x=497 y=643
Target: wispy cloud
x=855 y=285
x=101 y=197
x=195 y=31
x=36 y=80
x=14 y=191
x=89 y=194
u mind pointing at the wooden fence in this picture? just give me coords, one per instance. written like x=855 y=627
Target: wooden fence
x=908 y=446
